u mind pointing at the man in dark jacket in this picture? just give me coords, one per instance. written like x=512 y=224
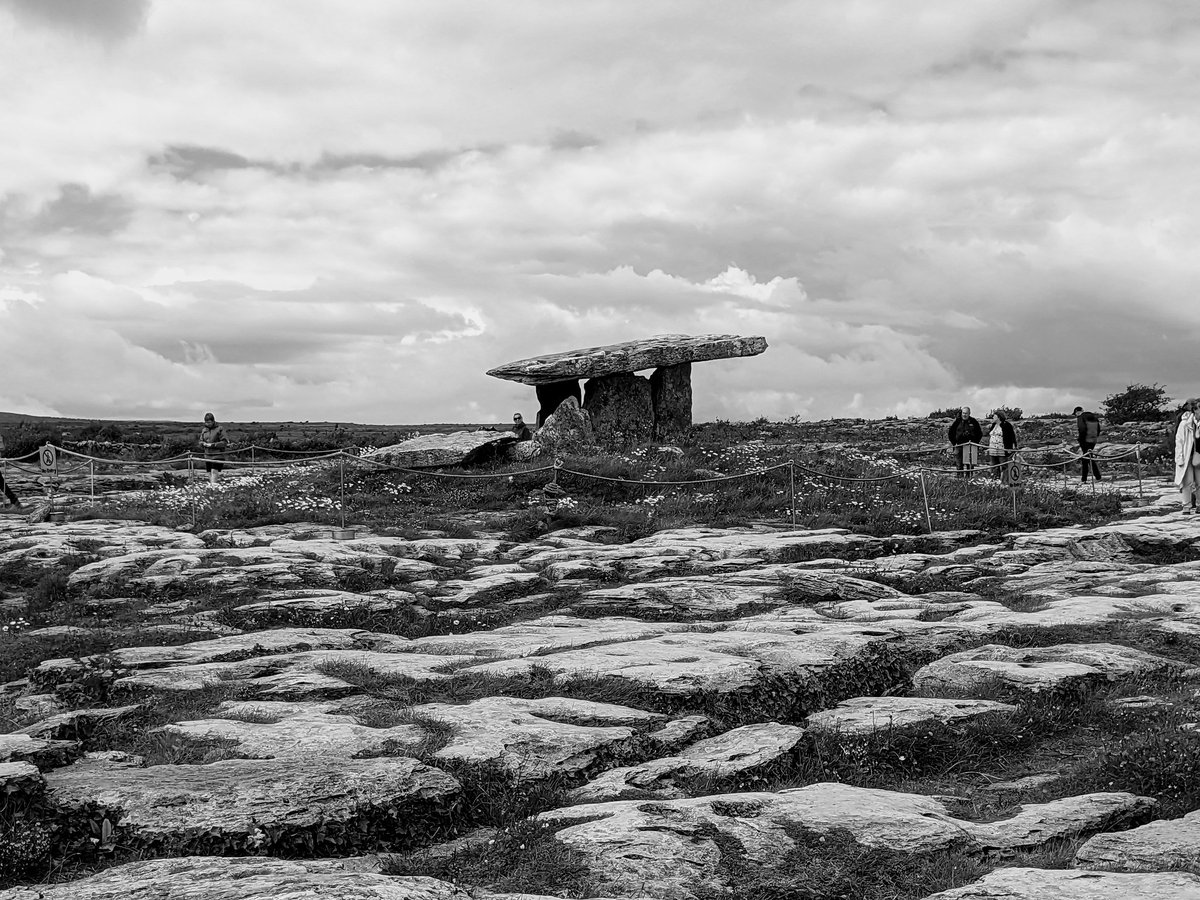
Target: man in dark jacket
x=965 y=434
x=1089 y=434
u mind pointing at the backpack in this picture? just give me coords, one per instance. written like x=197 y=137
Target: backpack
x=1091 y=430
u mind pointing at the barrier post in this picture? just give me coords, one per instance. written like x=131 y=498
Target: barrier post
x=792 y=488
x=554 y=473
x=1137 y=452
x=92 y=475
x=191 y=486
x=342 y=489
x=925 y=497
x=252 y=457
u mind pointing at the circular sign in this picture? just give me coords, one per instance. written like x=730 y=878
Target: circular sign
x=1015 y=473
x=48 y=458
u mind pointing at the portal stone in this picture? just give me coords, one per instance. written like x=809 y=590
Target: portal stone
x=671 y=394
x=621 y=408
x=551 y=395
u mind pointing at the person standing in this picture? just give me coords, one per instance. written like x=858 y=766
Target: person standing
x=1187 y=457
x=965 y=435
x=13 y=501
x=1089 y=434
x=213 y=443
x=1002 y=444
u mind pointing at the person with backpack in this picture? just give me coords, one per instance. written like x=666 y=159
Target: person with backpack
x=965 y=435
x=1002 y=444
x=1089 y=434
x=14 y=502
x=214 y=443
x=1187 y=455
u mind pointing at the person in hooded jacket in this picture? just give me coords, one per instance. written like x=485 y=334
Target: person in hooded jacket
x=1089 y=434
x=1187 y=455
x=1001 y=445
x=965 y=434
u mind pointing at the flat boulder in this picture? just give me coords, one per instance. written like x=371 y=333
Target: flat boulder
x=1035 y=669
x=234 y=805
x=433 y=450
x=246 y=878
x=1166 y=844
x=672 y=848
x=866 y=715
x=1063 y=884
x=631 y=356
x=735 y=754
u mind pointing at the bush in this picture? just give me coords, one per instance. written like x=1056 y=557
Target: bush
x=1137 y=403
x=1012 y=413
x=948 y=413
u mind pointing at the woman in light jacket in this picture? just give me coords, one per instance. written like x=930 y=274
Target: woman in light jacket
x=1187 y=460
x=1001 y=445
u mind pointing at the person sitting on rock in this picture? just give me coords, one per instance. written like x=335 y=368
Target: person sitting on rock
x=520 y=430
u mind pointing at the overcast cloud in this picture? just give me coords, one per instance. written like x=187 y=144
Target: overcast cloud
x=302 y=209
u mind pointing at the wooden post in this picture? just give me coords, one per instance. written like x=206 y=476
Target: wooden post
x=1137 y=452
x=792 y=488
x=925 y=497
x=342 y=478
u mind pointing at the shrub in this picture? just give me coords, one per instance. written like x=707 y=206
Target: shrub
x=1012 y=413
x=24 y=850
x=1137 y=403
x=948 y=413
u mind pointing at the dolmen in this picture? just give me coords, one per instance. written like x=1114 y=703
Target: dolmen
x=626 y=407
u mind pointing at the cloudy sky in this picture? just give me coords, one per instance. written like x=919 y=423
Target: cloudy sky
x=350 y=209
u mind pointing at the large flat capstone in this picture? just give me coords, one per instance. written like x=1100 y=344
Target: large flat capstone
x=631 y=356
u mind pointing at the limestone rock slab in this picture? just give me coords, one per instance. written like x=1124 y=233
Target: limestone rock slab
x=431 y=450
x=245 y=803
x=231 y=648
x=283 y=730
x=631 y=356
x=736 y=752
x=245 y=878
x=42 y=752
x=19 y=778
x=1035 y=668
x=1062 y=884
x=1158 y=846
x=667 y=847
x=534 y=739
x=864 y=715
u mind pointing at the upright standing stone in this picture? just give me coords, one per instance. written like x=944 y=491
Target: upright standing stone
x=551 y=396
x=671 y=394
x=621 y=409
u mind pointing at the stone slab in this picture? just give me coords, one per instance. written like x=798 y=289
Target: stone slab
x=1155 y=847
x=631 y=356
x=1061 y=884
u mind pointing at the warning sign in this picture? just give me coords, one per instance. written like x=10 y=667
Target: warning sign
x=48 y=458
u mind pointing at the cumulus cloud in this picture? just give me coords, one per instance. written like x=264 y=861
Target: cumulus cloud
x=289 y=211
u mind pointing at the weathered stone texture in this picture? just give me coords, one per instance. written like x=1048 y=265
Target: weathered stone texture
x=567 y=430
x=551 y=396
x=631 y=356
x=621 y=408
x=671 y=396
x=430 y=450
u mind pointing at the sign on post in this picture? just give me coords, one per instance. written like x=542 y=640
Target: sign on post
x=48 y=459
